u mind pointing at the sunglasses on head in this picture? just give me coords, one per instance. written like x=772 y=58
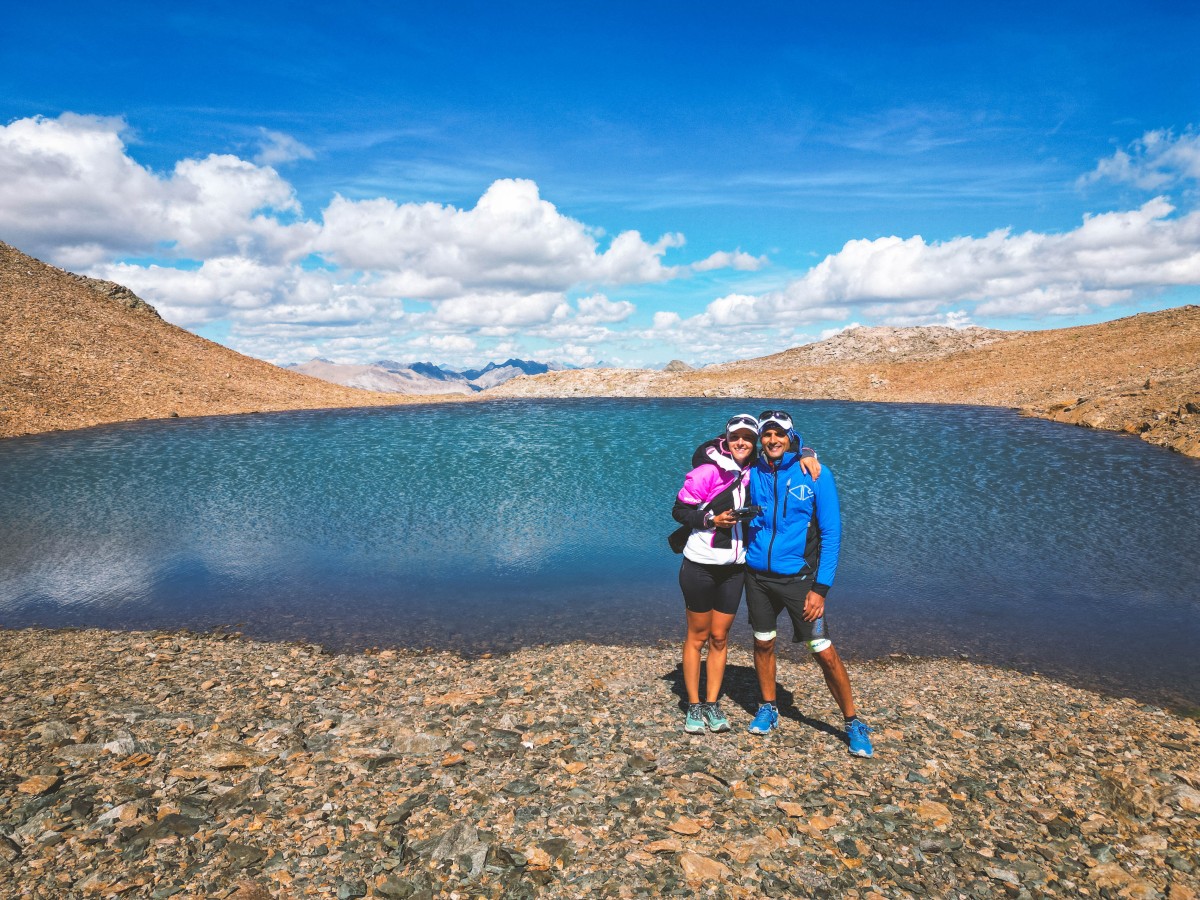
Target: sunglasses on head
x=747 y=422
x=774 y=417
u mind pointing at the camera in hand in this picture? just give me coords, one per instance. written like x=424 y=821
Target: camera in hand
x=745 y=513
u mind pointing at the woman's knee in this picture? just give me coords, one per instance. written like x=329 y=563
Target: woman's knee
x=718 y=640
x=698 y=636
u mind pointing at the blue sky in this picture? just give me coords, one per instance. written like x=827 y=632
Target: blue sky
x=626 y=182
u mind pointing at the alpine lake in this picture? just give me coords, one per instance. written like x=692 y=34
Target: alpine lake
x=483 y=527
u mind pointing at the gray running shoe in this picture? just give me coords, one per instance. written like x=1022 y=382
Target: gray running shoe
x=693 y=722
x=714 y=718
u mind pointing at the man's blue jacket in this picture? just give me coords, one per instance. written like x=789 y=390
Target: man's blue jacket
x=799 y=530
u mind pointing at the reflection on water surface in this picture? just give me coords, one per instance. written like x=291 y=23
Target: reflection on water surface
x=482 y=527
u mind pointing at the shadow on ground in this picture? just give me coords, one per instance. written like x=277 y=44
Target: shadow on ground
x=740 y=687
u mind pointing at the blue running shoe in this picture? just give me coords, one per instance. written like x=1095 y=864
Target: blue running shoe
x=860 y=743
x=693 y=722
x=766 y=719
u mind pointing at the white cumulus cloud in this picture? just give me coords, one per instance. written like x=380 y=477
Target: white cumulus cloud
x=230 y=242
x=1103 y=261
x=511 y=239
x=500 y=310
x=70 y=191
x=217 y=289
x=723 y=259
x=598 y=308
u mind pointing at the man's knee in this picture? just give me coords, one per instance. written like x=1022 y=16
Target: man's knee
x=764 y=641
x=828 y=660
x=821 y=648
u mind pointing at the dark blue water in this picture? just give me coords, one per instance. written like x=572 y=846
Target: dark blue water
x=488 y=526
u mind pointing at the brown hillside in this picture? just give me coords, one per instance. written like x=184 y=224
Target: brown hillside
x=79 y=352
x=1140 y=374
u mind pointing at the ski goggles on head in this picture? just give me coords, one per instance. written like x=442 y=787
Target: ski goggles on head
x=741 y=422
x=775 y=418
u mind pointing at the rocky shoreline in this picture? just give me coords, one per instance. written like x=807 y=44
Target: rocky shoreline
x=181 y=765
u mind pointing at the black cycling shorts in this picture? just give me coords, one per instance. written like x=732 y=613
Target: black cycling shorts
x=707 y=587
x=769 y=595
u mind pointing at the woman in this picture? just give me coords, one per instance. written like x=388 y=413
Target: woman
x=714 y=559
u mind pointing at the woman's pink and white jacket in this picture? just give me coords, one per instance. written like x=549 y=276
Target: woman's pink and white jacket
x=708 y=480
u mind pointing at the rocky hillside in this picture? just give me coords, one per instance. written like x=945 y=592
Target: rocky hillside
x=883 y=344
x=76 y=352
x=1139 y=374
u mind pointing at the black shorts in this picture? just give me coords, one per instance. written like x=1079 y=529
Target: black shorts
x=768 y=595
x=707 y=588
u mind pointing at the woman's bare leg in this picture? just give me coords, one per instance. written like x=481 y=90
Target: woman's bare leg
x=718 y=651
x=699 y=626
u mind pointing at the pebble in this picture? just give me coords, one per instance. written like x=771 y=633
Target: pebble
x=193 y=766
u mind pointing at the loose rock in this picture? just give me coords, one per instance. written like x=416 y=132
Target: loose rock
x=564 y=772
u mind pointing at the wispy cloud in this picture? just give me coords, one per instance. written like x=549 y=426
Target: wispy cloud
x=910 y=130
x=276 y=148
x=1156 y=160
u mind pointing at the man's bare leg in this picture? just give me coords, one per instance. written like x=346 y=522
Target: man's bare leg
x=837 y=680
x=764 y=668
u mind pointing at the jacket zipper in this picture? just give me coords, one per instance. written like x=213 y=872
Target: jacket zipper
x=736 y=531
x=774 y=513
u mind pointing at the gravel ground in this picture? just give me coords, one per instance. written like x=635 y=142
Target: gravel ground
x=160 y=765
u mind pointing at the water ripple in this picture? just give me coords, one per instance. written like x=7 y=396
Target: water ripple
x=968 y=530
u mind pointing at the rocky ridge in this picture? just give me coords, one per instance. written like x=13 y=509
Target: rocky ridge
x=677 y=365
x=866 y=344
x=172 y=765
x=113 y=291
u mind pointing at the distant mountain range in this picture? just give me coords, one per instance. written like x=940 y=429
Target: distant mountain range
x=393 y=377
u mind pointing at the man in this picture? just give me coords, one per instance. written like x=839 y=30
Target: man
x=790 y=564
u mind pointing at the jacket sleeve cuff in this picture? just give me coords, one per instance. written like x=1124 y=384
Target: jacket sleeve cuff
x=686 y=515
x=808 y=453
x=822 y=589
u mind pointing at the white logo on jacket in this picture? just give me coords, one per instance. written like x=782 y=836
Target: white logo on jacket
x=801 y=492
